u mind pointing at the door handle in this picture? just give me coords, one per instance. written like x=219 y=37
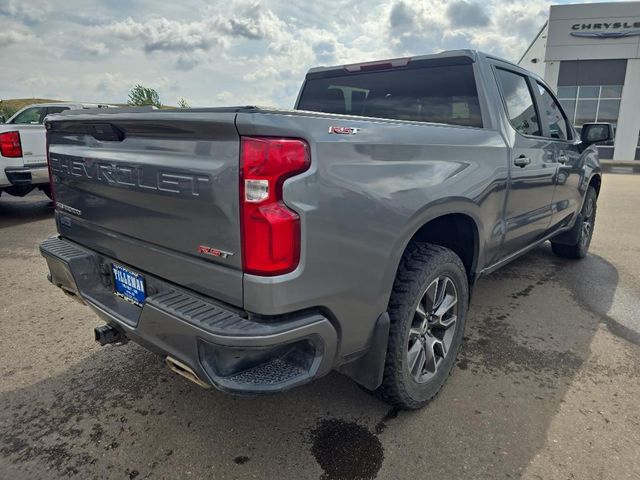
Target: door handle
x=522 y=161
x=563 y=159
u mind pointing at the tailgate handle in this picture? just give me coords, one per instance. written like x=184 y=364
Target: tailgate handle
x=105 y=132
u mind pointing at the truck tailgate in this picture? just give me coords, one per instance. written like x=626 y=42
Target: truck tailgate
x=155 y=190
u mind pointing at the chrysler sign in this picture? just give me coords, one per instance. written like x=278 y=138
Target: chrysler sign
x=606 y=29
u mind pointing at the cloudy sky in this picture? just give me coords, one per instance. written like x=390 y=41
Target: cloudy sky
x=233 y=51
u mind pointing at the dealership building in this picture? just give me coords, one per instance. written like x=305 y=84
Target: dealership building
x=590 y=54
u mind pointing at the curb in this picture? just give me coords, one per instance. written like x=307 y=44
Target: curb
x=620 y=163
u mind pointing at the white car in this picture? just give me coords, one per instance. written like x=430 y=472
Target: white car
x=23 y=159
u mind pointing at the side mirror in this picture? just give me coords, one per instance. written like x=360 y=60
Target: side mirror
x=593 y=133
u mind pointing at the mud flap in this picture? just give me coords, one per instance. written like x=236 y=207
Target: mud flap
x=368 y=369
x=570 y=237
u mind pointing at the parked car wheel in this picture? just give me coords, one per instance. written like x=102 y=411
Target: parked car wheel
x=47 y=191
x=586 y=223
x=427 y=309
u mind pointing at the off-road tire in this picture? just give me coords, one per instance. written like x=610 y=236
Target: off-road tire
x=47 y=191
x=421 y=264
x=587 y=214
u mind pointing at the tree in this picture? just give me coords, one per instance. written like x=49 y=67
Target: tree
x=7 y=110
x=182 y=103
x=140 y=96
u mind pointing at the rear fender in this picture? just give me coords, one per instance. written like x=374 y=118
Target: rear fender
x=439 y=208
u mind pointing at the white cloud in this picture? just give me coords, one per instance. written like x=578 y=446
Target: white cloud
x=163 y=34
x=263 y=73
x=95 y=48
x=25 y=11
x=498 y=27
x=249 y=20
x=8 y=37
x=467 y=14
x=223 y=97
x=106 y=82
x=236 y=51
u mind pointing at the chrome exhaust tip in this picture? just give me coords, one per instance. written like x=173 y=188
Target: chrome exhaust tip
x=184 y=370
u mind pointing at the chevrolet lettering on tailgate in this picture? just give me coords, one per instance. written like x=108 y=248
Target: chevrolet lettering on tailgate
x=130 y=176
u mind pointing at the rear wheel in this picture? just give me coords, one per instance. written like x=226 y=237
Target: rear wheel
x=47 y=191
x=427 y=311
x=586 y=223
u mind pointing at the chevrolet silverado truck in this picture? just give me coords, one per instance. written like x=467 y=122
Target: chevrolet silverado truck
x=257 y=249
x=23 y=153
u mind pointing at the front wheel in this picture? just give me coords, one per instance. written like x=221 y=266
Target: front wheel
x=585 y=224
x=427 y=309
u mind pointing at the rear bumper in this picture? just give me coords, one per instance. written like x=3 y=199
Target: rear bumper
x=23 y=176
x=229 y=349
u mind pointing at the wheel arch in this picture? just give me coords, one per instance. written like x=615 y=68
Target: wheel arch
x=367 y=370
x=457 y=232
x=596 y=182
x=458 y=228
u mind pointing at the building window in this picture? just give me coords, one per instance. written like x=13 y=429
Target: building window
x=592 y=103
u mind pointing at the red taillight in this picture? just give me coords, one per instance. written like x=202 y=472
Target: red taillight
x=10 y=145
x=270 y=230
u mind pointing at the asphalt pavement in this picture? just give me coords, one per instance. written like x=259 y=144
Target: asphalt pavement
x=546 y=387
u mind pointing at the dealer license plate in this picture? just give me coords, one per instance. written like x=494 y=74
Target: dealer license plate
x=128 y=285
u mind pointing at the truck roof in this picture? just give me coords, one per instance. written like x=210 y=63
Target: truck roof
x=446 y=57
x=70 y=104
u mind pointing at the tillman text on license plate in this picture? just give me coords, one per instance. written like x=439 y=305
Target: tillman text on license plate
x=129 y=285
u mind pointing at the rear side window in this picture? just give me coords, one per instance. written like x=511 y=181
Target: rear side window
x=442 y=94
x=51 y=110
x=552 y=114
x=519 y=102
x=30 y=116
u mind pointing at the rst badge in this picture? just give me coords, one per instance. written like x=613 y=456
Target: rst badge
x=344 y=130
x=214 y=252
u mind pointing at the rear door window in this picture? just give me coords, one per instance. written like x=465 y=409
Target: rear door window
x=518 y=101
x=30 y=116
x=441 y=94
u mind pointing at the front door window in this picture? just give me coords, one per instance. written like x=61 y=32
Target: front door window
x=552 y=115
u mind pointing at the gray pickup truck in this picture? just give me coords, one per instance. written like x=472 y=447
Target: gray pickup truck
x=258 y=249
